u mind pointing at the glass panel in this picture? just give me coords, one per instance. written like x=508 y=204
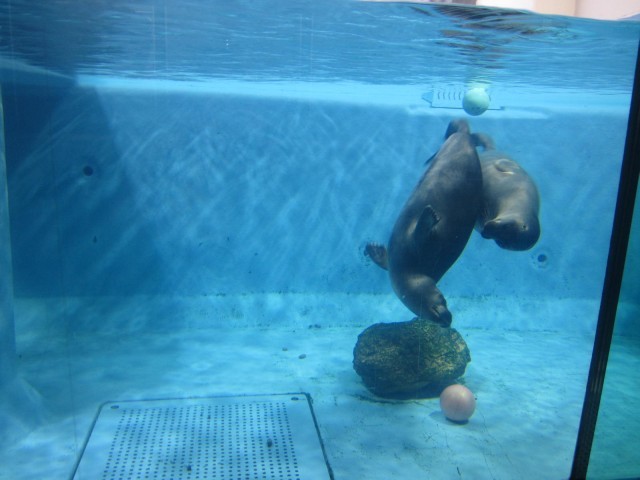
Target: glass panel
x=193 y=186
x=617 y=434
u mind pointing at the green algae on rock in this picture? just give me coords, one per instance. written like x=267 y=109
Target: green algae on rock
x=409 y=358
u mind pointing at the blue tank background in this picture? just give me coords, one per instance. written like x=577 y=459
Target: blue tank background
x=177 y=193
x=198 y=231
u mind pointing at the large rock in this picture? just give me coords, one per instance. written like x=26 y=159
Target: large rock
x=416 y=358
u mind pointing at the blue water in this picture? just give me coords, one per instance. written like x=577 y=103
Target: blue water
x=336 y=40
x=190 y=187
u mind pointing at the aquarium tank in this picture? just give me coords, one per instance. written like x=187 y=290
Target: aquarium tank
x=317 y=240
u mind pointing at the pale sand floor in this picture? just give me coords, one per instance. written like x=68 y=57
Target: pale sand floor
x=529 y=388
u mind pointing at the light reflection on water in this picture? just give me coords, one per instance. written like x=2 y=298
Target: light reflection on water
x=336 y=40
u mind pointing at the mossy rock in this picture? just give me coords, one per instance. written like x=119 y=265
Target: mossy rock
x=415 y=358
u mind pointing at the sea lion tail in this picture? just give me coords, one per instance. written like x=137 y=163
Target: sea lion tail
x=483 y=140
x=459 y=125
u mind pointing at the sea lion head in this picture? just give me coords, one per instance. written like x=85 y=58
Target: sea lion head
x=420 y=294
x=439 y=313
x=512 y=232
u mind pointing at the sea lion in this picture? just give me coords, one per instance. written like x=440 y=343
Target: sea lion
x=434 y=226
x=511 y=202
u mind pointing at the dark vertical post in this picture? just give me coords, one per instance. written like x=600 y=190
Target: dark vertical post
x=7 y=329
x=612 y=282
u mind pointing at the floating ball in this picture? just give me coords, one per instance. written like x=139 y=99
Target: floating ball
x=476 y=101
x=457 y=403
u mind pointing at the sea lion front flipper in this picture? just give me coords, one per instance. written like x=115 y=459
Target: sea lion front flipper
x=377 y=253
x=424 y=226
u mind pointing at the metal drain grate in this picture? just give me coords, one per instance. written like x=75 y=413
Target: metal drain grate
x=221 y=438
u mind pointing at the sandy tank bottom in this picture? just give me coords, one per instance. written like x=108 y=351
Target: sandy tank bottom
x=529 y=387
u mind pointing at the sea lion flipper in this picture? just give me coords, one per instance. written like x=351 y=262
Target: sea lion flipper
x=377 y=253
x=430 y=159
x=483 y=140
x=424 y=226
x=459 y=125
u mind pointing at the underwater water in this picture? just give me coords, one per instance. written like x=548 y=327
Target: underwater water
x=191 y=185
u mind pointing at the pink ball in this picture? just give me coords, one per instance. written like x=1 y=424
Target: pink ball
x=457 y=403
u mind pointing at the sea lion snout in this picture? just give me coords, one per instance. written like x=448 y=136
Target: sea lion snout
x=512 y=233
x=421 y=295
x=443 y=315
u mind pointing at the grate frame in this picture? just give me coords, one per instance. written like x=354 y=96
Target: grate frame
x=219 y=438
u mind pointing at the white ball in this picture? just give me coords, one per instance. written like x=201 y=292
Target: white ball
x=476 y=101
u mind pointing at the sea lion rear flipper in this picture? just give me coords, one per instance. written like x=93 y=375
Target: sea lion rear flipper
x=424 y=226
x=377 y=253
x=483 y=140
x=459 y=125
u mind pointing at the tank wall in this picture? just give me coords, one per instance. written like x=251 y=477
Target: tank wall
x=175 y=194
x=607 y=10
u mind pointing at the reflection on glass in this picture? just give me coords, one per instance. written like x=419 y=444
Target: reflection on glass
x=614 y=454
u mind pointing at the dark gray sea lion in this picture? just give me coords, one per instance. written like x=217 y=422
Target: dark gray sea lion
x=511 y=202
x=434 y=226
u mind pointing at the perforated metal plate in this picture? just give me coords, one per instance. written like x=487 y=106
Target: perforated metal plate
x=221 y=438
